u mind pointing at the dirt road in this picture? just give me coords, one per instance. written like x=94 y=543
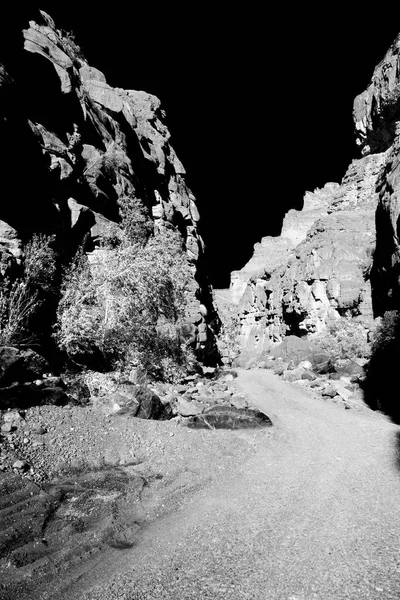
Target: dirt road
x=315 y=513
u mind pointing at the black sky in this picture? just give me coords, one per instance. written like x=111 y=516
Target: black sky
x=259 y=108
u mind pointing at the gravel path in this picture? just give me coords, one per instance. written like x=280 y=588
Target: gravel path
x=314 y=513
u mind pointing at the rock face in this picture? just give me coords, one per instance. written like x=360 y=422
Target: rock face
x=319 y=268
x=339 y=255
x=377 y=119
x=89 y=146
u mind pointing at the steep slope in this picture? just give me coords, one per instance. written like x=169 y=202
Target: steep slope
x=79 y=149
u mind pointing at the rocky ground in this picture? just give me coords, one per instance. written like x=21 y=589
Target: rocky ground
x=43 y=441
x=79 y=478
x=223 y=513
x=76 y=479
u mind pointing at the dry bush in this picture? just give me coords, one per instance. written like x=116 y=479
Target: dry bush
x=126 y=304
x=346 y=338
x=17 y=304
x=22 y=301
x=40 y=264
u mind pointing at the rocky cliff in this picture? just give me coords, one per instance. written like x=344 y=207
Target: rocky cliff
x=339 y=256
x=377 y=121
x=76 y=147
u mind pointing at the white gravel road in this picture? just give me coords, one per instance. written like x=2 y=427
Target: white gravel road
x=314 y=514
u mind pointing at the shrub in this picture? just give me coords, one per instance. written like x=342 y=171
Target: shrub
x=346 y=338
x=387 y=333
x=23 y=301
x=384 y=363
x=40 y=265
x=17 y=304
x=78 y=328
x=135 y=220
x=126 y=304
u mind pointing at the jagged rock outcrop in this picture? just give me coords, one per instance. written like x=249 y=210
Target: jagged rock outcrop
x=319 y=268
x=339 y=255
x=377 y=118
x=89 y=146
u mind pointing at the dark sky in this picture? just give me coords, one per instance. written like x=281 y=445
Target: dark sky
x=259 y=108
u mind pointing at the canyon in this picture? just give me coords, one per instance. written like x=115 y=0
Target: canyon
x=253 y=471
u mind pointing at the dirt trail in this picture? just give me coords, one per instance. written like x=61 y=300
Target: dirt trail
x=314 y=513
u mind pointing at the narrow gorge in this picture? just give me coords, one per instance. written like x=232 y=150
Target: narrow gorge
x=160 y=438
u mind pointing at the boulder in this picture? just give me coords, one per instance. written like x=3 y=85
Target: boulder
x=53 y=395
x=239 y=401
x=279 y=367
x=10 y=249
x=245 y=360
x=229 y=417
x=8 y=428
x=291 y=375
x=20 y=465
x=322 y=363
x=12 y=420
x=309 y=375
x=350 y=368
x=187 y=409
x=329 y=391
x=306 y=364
x=344 y=393
x=24 y=395
x=135 y=401
x=150 y=405
x=77 y=390
x=17 y=365
x=294 y=348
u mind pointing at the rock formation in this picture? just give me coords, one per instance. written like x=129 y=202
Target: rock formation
x=88 y=146
x=340 y=255
x=318 y=269
x=377 y=121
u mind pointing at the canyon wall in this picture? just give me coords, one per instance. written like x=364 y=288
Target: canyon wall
x=377 y=121
x=74 y=148
x=340 y=255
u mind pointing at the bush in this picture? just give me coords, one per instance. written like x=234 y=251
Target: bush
x=23 y=302
x=126 y=305
x=384 y=363
x=135 y=220
x=17 y=304
x=387 y=333
x=40 y=265
x=346 y=338
x=78 y=330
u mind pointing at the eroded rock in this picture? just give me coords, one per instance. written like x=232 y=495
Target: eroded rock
x=229 y=417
